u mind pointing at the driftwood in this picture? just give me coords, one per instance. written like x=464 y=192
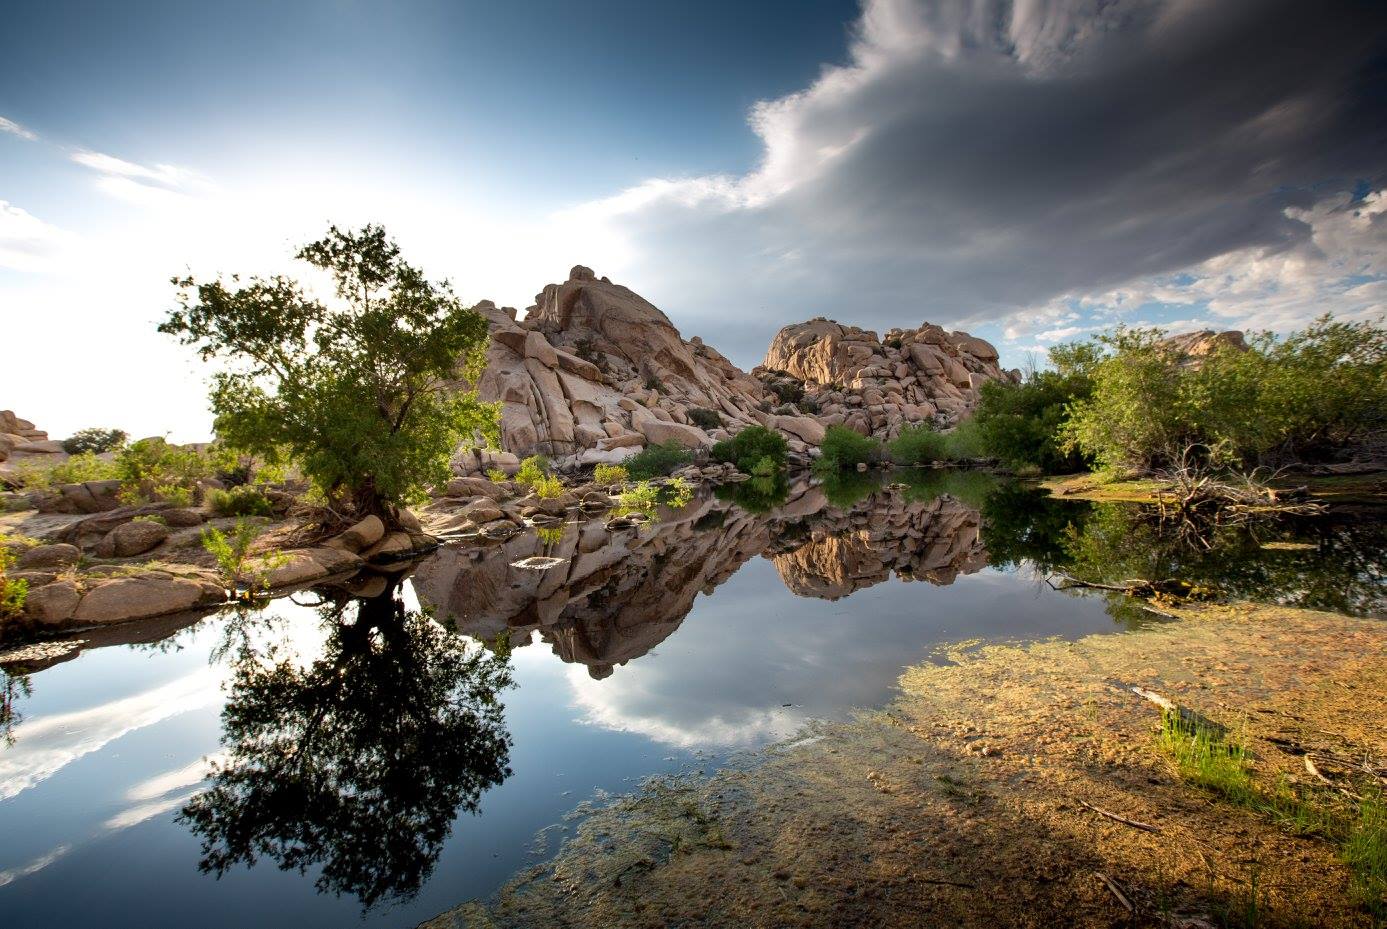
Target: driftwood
x=1189 y=720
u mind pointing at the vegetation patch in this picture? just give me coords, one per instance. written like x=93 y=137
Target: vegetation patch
x=843 y=448
x=658 y=460
x=754 y=447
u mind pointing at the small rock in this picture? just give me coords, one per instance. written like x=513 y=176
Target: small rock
x=49 y=556
x=133 y=538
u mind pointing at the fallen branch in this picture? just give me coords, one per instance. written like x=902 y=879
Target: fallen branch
x=1121 y=897
x=1146 y=827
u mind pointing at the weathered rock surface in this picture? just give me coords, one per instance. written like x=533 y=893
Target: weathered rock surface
x=1193 y=347
x=132 y=538
x=877 y=386
x=594 y=372
x=20 y=439
x=57 y=555
x=153 y=594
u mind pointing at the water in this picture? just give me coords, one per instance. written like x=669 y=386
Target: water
x=408 y=767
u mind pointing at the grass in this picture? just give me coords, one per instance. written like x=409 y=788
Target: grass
x=1221 y=763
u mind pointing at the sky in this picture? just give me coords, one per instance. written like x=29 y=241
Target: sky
x=1030 y=171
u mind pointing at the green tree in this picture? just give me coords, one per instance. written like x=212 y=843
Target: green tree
x=368 y=396
x=1020 y=423
x=750 y=447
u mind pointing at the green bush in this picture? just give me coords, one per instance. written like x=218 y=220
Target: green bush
x=496 y=475
x=1311 y=396
x=919 y=445
x=705 y=419
x=12 y=592
x=94 y=440
x=547 y=487
x=750 y=446
x=1020 y=423
x=787 y=391
x=532 y=470
x=658 y=460
x=153 y=469
x=610 y=474
x=77 y=469
x=244 y=500
x=843 y=448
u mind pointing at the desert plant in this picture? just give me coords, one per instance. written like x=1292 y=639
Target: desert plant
x=232 y=553
x=646 y=496
x=705 y=419
x=610 y=474
x=13 y=592
x=244 y=500
x=532 y=470
x=843 y=448
x=84 y=466
x=749 y=447
x=547 y=487
x=496 y=475
x=94 y=440
x=154 y=469
x=659 y=460
x=918 y=445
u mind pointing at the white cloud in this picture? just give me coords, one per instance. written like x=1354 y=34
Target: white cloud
x=27 y=243
x=140 y=184
x=14 y=128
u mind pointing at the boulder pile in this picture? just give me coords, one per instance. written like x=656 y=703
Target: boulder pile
x=877 y=386
x=20 y=440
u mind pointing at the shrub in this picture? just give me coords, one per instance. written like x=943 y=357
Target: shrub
x=547 y=487
x=232 y=553
x=239 y=501
x=610 y=474
x=532 y=469
x=85 y=466
x=1310 y=396
x=658 y=460
x=843 y=448
x=787 y=391
x=496 y=475
x=152 y=468
x=653 y=383
x=94 y=440
x=644 y=497
x=919 y=445
x=750 y=446
x=1020 y=423
x=809 y=405
x=12 y=592
x=705 y=419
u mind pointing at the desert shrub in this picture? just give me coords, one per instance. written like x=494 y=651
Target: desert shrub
x=918 y=445
x=532 y=470
x=809 y=405
x=749 y=447
x=1310 y=396
x=705 y=419
x=843 y=448
x=787 y=391
x=653 y=383
x=94 y=440
x=232 y=553
x=658 y=460
x=153 y=469
x=12 y=592
x=496 y=475
x=244 y=500
x=645 y=496
x=610 y=474
x=547 y=487
x=85 y=466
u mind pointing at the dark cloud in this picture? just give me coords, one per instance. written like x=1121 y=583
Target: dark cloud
x=978 y=158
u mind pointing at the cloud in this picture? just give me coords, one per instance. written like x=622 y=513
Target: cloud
x=14 y=128
x=27 y=243
x=141 y=184
x=974 y=160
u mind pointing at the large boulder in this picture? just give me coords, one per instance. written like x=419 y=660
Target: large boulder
x=133 y=538
x=57 y=555
x=144 y=595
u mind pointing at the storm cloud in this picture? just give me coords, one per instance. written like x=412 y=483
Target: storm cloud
x=973 y=162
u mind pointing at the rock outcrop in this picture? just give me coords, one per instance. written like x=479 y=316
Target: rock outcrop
x=1192 y=348
x=20 y=440
x=594 y=372
x=877 y=386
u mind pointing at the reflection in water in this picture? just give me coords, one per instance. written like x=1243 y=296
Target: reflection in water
x=356 y=763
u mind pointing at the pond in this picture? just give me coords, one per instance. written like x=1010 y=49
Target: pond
x=325 y=760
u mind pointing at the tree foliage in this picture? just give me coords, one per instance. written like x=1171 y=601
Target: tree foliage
x=1307 y=397
x=1020 y=423
x=367 y=394
x=750 y=447
x=844 y=448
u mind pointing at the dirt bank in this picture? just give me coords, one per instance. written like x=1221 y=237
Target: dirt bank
x=964 y=802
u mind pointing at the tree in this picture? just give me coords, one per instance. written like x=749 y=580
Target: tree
x=367 y=396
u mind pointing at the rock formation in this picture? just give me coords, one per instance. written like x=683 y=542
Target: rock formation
x=877 y=386
x=20 y=441
x=593 y=373
x=1193 y=347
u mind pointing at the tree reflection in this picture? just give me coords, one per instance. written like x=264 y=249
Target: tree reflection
x=358 y=762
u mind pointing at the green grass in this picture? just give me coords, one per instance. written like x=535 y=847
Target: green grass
x=1221 y=763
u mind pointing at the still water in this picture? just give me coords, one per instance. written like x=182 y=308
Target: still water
x=382 y=760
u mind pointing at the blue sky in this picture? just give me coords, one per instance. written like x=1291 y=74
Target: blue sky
x=1030 y=172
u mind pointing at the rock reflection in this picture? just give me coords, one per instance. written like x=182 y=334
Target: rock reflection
x=614 y=597
x=356 y=763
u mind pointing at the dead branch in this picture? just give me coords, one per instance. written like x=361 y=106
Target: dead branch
x=1145 y=827
x=1121 y=897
